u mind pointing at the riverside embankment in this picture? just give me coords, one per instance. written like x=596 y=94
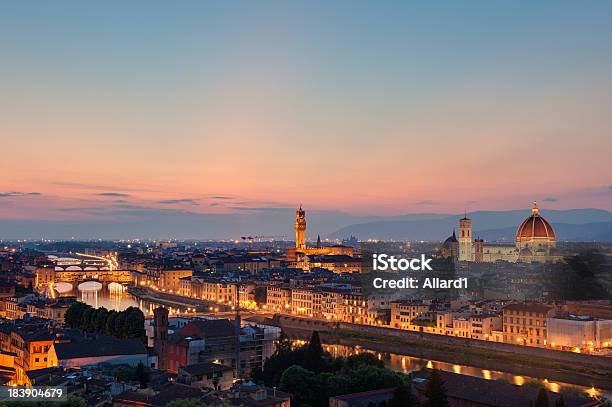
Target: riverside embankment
x=568 y=367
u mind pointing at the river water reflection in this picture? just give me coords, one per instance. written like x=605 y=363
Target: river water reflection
x=406 y=364
x=116 y=297
x=112 y=296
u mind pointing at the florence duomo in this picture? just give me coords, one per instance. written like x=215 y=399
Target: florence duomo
x=535 y=241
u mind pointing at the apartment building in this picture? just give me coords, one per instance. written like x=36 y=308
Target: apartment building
x=302 y=301
x=278 y=298
x=579 y=333
x=403 y=312
x=526 y=323
x=483 y=326
x=170 y=279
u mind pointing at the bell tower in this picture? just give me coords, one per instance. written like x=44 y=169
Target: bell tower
x=160 y=335
x=465 y=239
x=300 y=229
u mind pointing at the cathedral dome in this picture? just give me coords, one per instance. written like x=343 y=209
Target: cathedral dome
x=535 y=229
x=451 y=239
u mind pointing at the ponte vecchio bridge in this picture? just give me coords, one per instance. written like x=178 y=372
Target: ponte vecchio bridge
x=79 y=269
x=76 y=274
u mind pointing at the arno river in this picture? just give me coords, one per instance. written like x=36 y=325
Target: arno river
x=115 y=296
x=112 y=296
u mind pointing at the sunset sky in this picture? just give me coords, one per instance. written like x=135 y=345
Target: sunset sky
x=360 y=107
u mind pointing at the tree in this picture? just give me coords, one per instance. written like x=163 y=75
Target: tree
x=74 y=314
x=278 y=363
x=141 y=375
x=402 y=397
x=583 y=276
x=283 y=343
x=542 y=399
x=85 y=318
x=133 y=325
x=109 y=328
x=119 y=325
x=100 y=320
x=302 y=384
x=124 y=373
x=366 y=377
x=362 y=359
x=314 y=354
x=560 y=402
x=257 y=375
x=435 y=392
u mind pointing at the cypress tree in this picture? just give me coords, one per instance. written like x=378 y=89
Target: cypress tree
x=542 y=399
x=109 y=328
x=119 y=331
x=402 y=397
x=435 y=391
x=74 y=314
x=560 y=402
x=100 y=320
x=134 y=323
x=85 y=318
x=314 y=354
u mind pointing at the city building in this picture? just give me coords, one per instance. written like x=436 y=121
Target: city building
x=403 y=312
x=102 y=349
x=210 y=288
x=252 y=395
x=213 y=341
x=535 y=241
x=207 y=375
x=45 y=274
x=29 y=343
x=579 y=333
x=170 y=279
x=278 y=298
x=157 y=396
x=298 y=254
x=337 y=263
x=526 y=323
x=363 y=399
x=302 y=301
x=483 y=326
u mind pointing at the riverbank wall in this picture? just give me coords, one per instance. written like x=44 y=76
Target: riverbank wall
x=305 y=326
x=169 y=300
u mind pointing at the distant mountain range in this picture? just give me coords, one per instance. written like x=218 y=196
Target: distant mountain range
x=574 y=225
x=586 y=232
x=569 y=225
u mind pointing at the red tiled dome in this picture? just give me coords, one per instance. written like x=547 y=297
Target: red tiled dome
x=535 y=228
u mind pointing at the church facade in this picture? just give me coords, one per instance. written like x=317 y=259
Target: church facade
x=535 y=241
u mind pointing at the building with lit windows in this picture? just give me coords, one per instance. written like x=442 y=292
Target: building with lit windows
x=278 y=298
x=535 y=241
x=526 y=323
x=170 y=279
x=298 y=254
x=403 y=312
x=579 y=333
x=302 y=302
